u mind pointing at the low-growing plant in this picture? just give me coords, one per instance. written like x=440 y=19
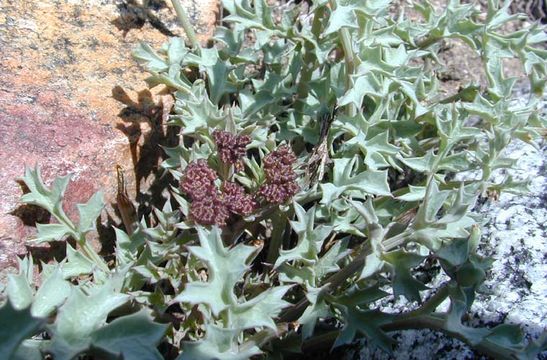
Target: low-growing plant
x=319 y=169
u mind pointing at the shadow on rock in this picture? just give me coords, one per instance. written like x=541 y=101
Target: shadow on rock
x=28 y=213
x=145 y=145
x=134 y=16
x=107 y=236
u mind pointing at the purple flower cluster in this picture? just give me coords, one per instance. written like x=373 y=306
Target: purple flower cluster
x=231 y=148
x=209 y=210
x=209 y=205
x=236 y=200
x=199 y=180
x=280 y=183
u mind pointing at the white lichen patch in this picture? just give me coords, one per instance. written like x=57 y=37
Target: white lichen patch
x=516 y=238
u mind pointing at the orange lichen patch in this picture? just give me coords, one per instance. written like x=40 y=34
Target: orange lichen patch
x=77 y=49
x=59 y=62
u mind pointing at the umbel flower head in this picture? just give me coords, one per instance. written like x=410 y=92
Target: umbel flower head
x=198 y=180
x=236 y=199
x=210 y=210
x=280 y=183
x=209 y=205
x=231 y=148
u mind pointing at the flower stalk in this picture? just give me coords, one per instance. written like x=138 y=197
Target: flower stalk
x=186 y=25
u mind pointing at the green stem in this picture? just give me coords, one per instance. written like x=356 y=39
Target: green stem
x=278 y=230
x=436 y=323
x=262 y=337
x=345 y=36
x=308 y=197
x=376 y=232
x=430 y=175
x=395 y=241
x=427 y=42
x=338 y=278
x=87 y=250
x=224 y=171
x=350 y=60
x=333 y=282
x=186 y=24
x=351 y=110
x=319 y=342
x=431 y=304
x=235 y=231
x=309 y=61
x=92 y=255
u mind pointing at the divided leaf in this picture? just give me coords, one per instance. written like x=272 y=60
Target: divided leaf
x=218 y=344
x=225 y=267
x=366 y=323
x=80 y=316
x=131 y=337
x=364 y=183
x=47 y=198
x=403 y=282
x=16 y=326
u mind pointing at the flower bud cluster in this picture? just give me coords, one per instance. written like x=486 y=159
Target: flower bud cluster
x=236 y=200
x=210 y=210
x=199 y=180
x=231 y=148
x=209 y=205
x=280 y=183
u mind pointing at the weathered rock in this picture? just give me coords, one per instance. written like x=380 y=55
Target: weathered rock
x=74 y=101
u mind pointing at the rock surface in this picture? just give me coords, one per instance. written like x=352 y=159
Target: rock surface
x=74 y=101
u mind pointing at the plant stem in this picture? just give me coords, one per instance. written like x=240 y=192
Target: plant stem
x=347 y=46
x=351 y=110
x=431 y=304
x=264 y=336
x=88 y=251
x=309 y=61
x=333 y=282
x=276 y=240
x=432 y=322
x=338 y=278
x=323 y=341
x=186 y=24
x=239 y=227
x=427 y=42
x=438 y=323
x=396 y=240
x=92 y=255
x=429 y=184
x=345 y=36
x=308 y=197
x=376 y=232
